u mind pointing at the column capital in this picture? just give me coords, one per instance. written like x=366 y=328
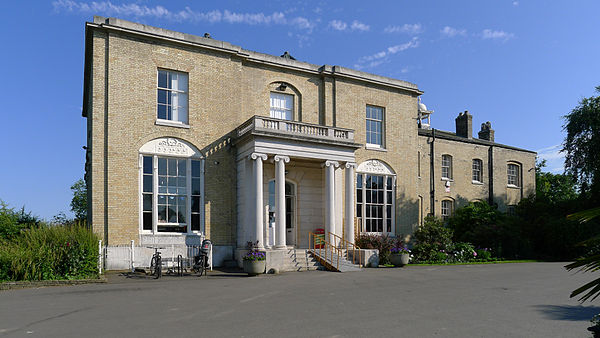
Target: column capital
x=255 y=156
x=328 y=163
x=349 y=165
x=285 y=159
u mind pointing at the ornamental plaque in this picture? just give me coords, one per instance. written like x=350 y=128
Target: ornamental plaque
x=171 y=146
x=375 y=167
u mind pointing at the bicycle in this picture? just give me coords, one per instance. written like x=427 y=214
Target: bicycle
x=156 y=264
x=201 y=260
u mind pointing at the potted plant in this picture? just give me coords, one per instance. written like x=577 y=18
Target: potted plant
x=399 y=255
x=254 y=260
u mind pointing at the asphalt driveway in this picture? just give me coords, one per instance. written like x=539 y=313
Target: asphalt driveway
x=500 y=300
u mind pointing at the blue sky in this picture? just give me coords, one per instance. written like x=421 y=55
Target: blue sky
x=519 y=64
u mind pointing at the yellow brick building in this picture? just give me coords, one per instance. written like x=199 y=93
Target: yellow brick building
x=189 y=136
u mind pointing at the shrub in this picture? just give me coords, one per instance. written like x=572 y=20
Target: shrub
x=383 y=243
x=433 y=241
x=463 y=252
x=483 y=254
x=43 y=253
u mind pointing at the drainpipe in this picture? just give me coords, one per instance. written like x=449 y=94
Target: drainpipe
x=491 y=175
x=432 y=174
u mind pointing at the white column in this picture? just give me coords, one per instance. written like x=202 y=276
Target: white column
x=257 y=172
x=280 y=230
x=339 y=201
x=349 y=207
x=330 y=195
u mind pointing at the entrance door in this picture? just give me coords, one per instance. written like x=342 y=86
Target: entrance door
x=290 y=213
x=290 y=210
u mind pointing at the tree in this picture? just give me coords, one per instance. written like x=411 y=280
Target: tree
x=582 y=158
x=553 y=188
x=79 y=201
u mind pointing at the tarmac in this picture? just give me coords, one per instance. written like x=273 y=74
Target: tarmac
x=493 y=300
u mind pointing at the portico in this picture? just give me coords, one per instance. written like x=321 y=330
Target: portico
x=289 y=182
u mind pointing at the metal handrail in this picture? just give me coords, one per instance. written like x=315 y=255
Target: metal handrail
x=344 y=243
x=327 y=251
x=337 y=245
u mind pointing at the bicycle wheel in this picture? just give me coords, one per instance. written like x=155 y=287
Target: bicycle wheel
x=158 y=273
x=201 y=268
x=153 y=266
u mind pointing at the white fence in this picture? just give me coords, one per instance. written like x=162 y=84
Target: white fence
x=129 y=257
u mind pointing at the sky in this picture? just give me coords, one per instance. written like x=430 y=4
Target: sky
x=520 y=64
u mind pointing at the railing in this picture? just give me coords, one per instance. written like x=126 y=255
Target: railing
x=332 y=247
x=295 y=128
x=325 y=250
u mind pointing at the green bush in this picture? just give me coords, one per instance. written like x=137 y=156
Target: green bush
x=383 y=243
x=463 y=252
x=49 y=252
x=433 y=241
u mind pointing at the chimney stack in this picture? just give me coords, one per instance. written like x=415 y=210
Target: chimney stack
x=486 y=133
x=464 y=125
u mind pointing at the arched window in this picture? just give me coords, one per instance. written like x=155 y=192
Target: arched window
x=447 y=167
x=513 y=173
x=171 y=187
x=375 y=197
x=477 y=171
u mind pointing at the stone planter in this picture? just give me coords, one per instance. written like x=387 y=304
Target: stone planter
x=399 y=259
x=253 y=268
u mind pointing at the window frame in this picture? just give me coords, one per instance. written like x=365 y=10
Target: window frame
x=178 y=111
x=477 y=173
x=449 y=209
x=291 y=110
x=389 y=187
x=189 y=195
x=449 y=176
x=371 y=120
x=515 y=182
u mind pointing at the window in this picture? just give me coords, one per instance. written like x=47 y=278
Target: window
x=446 y=167
x=375 y=202
x=477 y=171
x=513 y=173
x=447 y=209
x=511 y=210
x=282 y=106
x=166 y=192
x=172 y=96
x=375 y=126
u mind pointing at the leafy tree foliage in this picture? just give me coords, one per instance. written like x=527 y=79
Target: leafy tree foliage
x=554 y=188
x=79 y=201
x=582 y=145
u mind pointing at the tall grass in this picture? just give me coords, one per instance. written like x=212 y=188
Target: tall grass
x=50 y=252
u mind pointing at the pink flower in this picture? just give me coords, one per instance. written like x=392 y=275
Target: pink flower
x=475 y=253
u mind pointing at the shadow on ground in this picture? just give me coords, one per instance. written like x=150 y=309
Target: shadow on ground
x=568 y=312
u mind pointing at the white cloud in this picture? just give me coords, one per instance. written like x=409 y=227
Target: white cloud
x=187 y=14
x=554 y=157
x=359 y=26
x=338 y=25
x=488 y=34
x=452 y=32
x=406 y=28
x=378 y=58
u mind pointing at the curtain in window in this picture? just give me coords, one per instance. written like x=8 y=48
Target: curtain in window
x=282 y=106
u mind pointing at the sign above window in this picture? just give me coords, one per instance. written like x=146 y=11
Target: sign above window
x=375 y=167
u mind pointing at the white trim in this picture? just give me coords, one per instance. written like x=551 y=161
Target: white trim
x=169 y=123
